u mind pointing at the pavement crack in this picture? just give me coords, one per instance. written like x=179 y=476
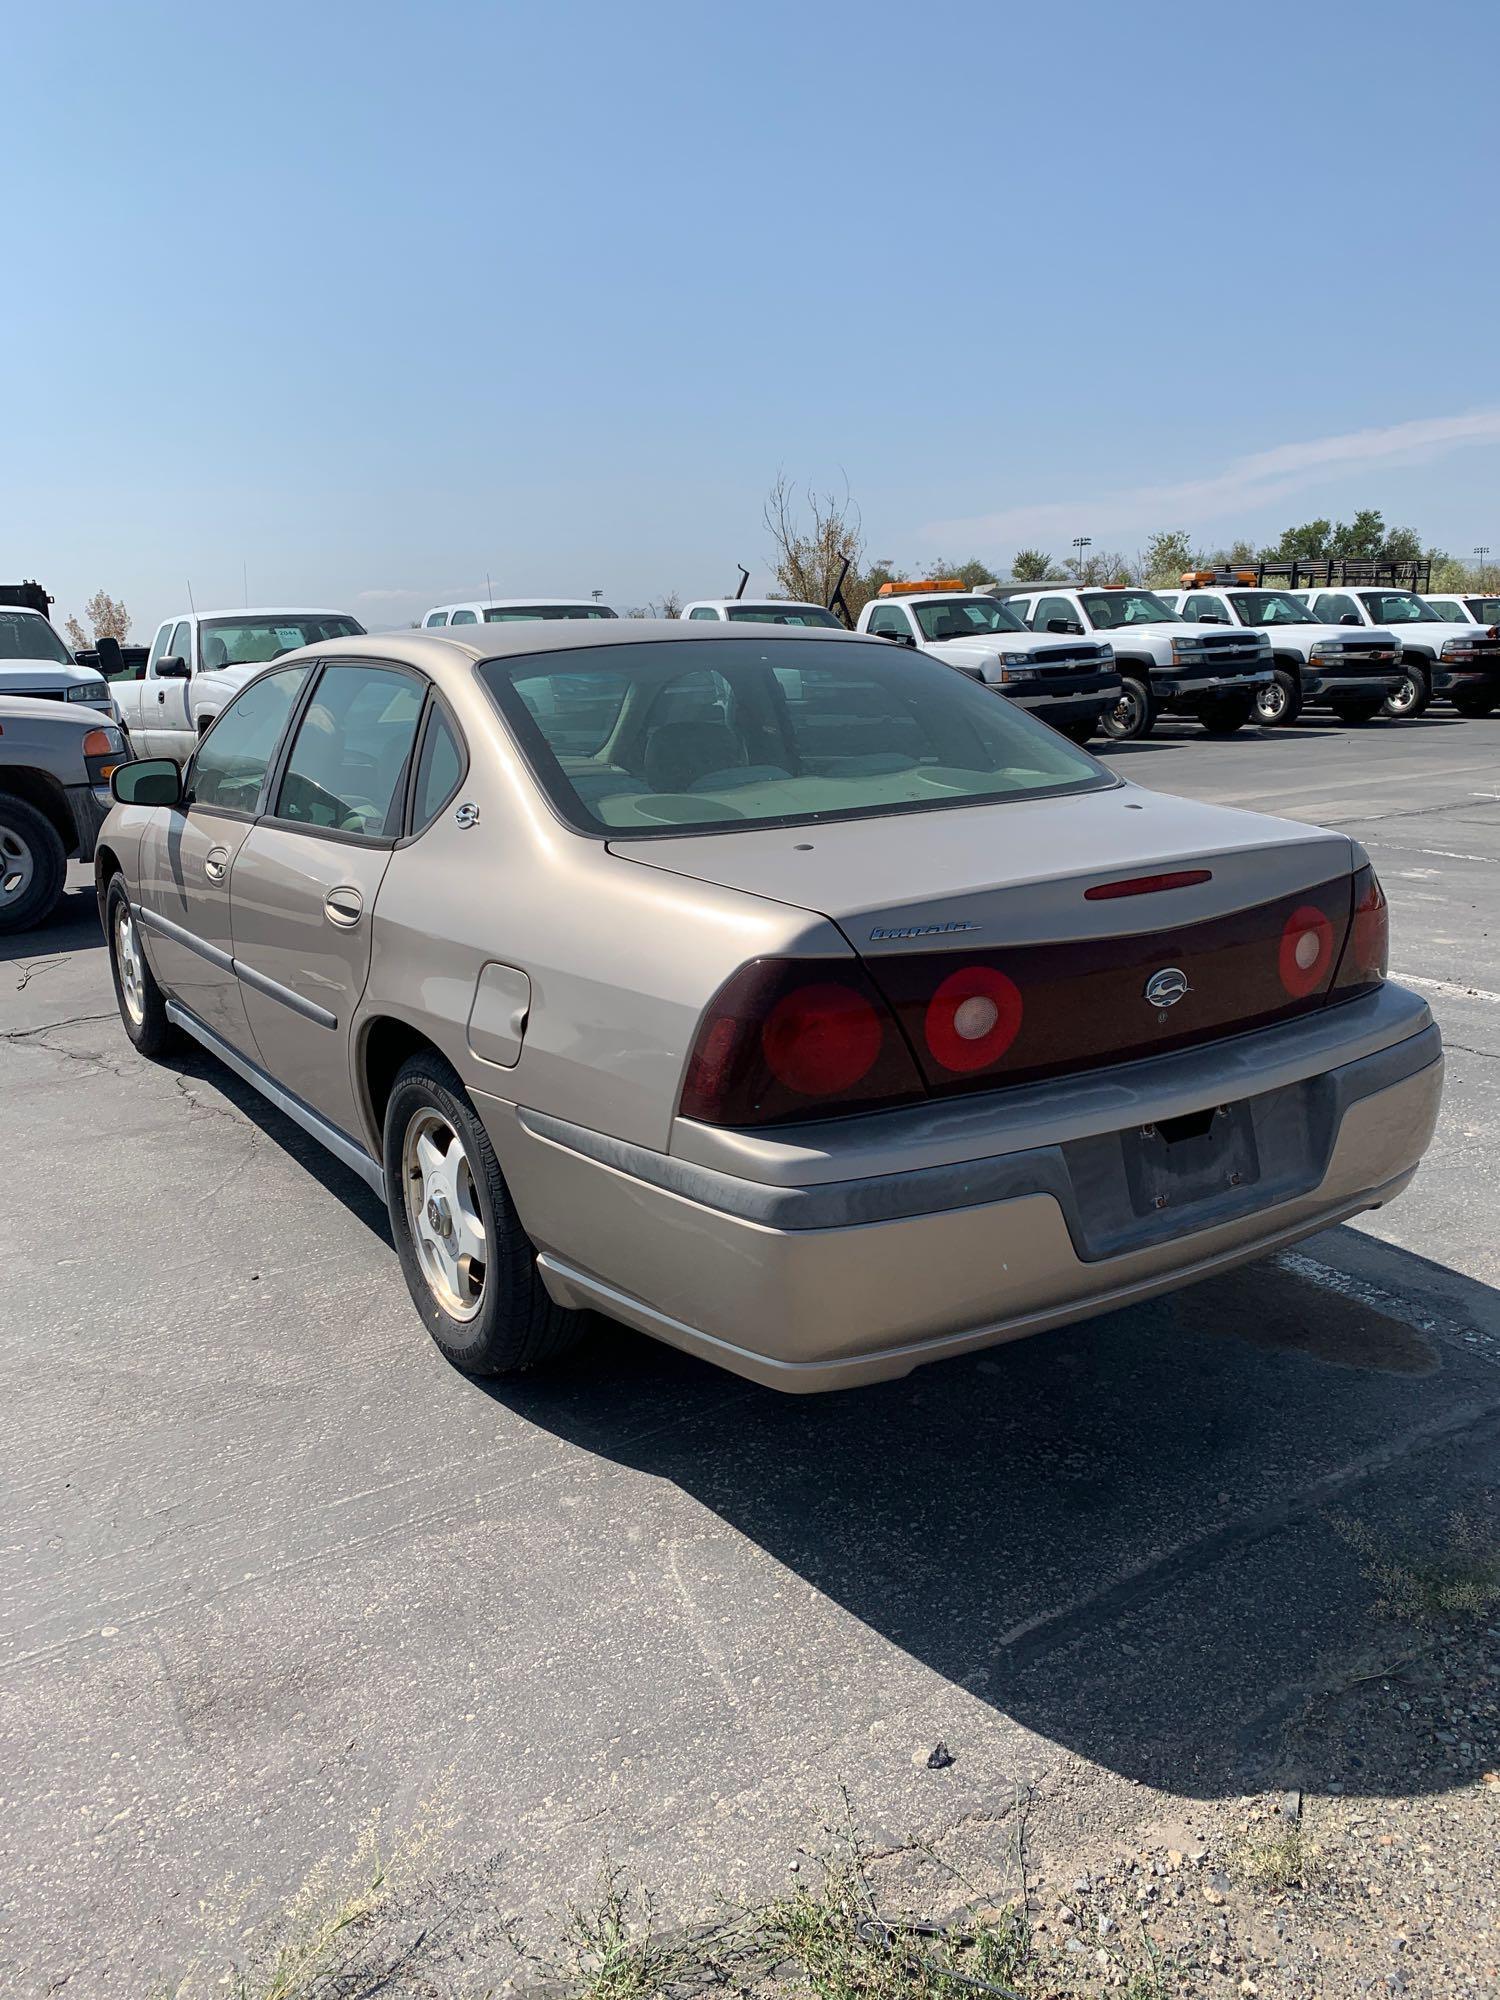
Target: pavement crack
x=51 y=1027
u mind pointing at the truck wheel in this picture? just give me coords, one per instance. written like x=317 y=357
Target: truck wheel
x=469 y=1265
x=1357 y=707
x=1080 y=732
x=33 y=865
x=1224 y=714
x=137 y=995
x=1279 y=701
x=1475 y=704
x=1133 y=715
x=1412 y=696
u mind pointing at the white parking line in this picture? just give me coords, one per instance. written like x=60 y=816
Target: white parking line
x=1450 y=989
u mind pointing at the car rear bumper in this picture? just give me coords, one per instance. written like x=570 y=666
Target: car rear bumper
x=830 y=1279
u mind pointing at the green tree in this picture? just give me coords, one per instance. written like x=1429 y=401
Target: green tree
x=1362 y=539
x=1164 y=558
x=1032 y=566
x=969 y=573
x=1311 y=539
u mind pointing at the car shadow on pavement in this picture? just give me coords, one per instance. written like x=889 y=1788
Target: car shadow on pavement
x=72 y=926
x=1159 y=1539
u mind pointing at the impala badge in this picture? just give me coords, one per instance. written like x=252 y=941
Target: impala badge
x=1165 y=988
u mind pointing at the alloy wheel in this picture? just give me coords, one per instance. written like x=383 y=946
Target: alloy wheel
x=128 y=959
x=1270 y=702
x=17 y=866
x=443 y=1214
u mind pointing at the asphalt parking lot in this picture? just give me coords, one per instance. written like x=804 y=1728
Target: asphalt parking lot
x=269 y=1565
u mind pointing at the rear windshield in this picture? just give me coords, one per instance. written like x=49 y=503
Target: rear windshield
x=780 y=614
x=964 y=617
x=692 y=736
x=234 y=642
x=23 y=636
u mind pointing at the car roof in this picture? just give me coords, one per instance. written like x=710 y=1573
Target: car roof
x=781 y=603
x=261 y=611
x=511 y=603
x=442 y=647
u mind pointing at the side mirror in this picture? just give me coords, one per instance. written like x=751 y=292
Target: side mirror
x=899 y=638
x=1351 y=618
x=111 y=659
x=1212 y=618
x=1063 y=625
x=172 y=668
x=151 y=781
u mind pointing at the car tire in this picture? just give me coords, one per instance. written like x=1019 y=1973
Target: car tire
x=444 y=1189
x=1476 y=705
x=33 y=865
x=1224 y=714
x=1133 y=715
x=1279 y=702
x=1411 y=698
x=143 y=1008
x=1358 y=708
x=1081 y=733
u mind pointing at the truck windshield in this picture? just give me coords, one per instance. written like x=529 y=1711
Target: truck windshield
x=774 y=729
x=1270 y=607
x=780 y=614
x=522 y=614
x=24 y=636
x=1109 y=609
x=233 y=642
x=1397 y=607
x=965 y=617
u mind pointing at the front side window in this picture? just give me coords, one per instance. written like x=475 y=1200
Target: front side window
x=1270 y=607
x=1049 y=608
x=1333 y=607
x=233 y=757
x=348 y=763
x=437 y=618
x=1201 y=605
x=464 y=618
x=781 y=614
x=181 y=647
x=1485 y=609
x=234 y=642
x=965 y=618
x=1108 y=610
x=886 y=619
x=159 y=645
x=507 y=614
x=24 y=636
x=1397 y=607
x=773 y=729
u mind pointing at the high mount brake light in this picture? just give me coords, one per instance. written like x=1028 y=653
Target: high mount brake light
x=1147 y=885
x=787 y=1038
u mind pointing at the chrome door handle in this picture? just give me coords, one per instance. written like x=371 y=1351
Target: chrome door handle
x=343 y=907
x=216 y=863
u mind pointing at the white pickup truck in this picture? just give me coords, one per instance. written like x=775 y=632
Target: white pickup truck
x=1331 y=666
x=1465 y=607
x=1440 y=657
x=759 y=611
x=1167 y=665
x=1068 y=682
x=166 y=710
x=35 y=662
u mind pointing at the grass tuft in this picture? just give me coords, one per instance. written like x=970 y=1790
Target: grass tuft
x=1460 y=1581
x=1274 y=1861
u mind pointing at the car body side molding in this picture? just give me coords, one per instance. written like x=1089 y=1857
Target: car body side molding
x=344 y=1149
x=272 y=988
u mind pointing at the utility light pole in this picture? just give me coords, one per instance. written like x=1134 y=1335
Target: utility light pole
x=1481 y=549
x=1082 y=542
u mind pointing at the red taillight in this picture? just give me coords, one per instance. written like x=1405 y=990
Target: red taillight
x=1363 y=965
x=1305 y=958
x=788 y=1039
x=973 y=1018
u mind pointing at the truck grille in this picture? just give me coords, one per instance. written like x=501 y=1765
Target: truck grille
x=1064 y=657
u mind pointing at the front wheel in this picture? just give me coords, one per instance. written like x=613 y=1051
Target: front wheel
x=1411 y=696
x=33 y=865
x=1358 y=708
x=1226 y=713
x=1081 y=733
x=469 y=1265
x=1133 y=715
x=1279 y=701
x=1475 y=704
x=143 y=1010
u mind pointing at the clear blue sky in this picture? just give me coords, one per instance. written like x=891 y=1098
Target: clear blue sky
x=374 y=298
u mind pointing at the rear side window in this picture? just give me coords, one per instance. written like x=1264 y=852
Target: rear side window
x=231 y=763
x=464 y=618
x=348 y=763
x=439 y=768
x=704 y=611
x=437 y=618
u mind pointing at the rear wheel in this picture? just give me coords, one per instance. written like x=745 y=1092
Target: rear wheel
x=143 y=1010
x=469 y=1265
x=1280 y=700
x=1412 y=694
x=1226 y=713
x=1133 y=715
x=1473 y=703
x=1357 y=707
x=33 y=865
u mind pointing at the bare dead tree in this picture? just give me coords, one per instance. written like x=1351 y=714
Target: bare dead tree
x=808 y=556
